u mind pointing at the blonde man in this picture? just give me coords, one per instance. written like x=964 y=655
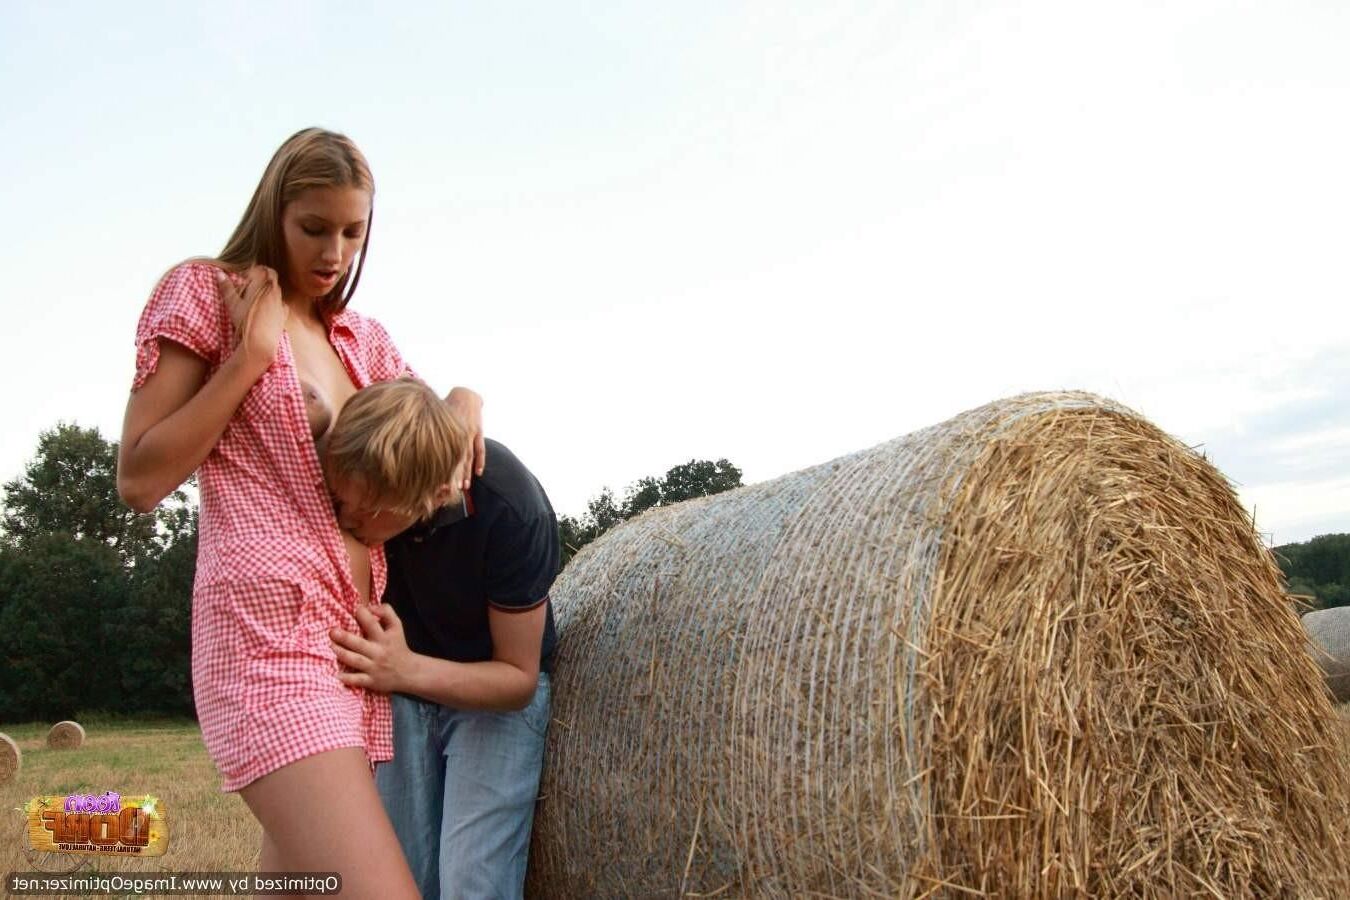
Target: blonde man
x=465 y=638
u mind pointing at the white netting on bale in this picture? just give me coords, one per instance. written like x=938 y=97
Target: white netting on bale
x=1329 y=632
x=1035 y=650
x=65 y=735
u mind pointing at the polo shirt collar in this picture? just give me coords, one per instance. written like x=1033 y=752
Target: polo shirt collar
x=446 y=515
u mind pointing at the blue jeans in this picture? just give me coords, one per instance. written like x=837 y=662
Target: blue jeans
x=460 y=791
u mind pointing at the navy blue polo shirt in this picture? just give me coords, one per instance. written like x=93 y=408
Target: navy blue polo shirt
x=498 y=547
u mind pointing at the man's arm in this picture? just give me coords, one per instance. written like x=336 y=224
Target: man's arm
x=381 y=661
x=507 y=681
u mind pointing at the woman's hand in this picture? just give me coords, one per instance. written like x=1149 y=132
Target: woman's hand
x=177 y=416
x=467 y=406
x=258 y=312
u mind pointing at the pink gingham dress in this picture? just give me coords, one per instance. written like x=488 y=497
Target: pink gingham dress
x=272 y=570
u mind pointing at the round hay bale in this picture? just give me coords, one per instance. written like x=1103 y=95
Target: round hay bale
x=11 y=758
x=1329 y=632
x=1034 y=651
x=65 y=735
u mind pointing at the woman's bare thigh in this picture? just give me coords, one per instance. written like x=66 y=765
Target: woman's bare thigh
x=269 y=860
x=322 y=814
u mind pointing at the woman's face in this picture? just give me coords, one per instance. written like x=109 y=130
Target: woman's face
x=323 y=228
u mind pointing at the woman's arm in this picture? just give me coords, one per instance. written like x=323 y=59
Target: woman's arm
x=176 y=417
x=174 y=420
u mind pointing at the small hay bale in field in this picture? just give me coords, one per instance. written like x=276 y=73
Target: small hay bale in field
x=1329 y=632
x=65 y=735
x=11 y=758
x=1034 y=651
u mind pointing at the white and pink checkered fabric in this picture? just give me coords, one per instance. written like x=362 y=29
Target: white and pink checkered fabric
x=272 y=570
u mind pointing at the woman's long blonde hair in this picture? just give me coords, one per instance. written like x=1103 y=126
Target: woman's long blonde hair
x=310 y=158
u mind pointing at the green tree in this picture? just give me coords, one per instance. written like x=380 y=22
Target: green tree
x=642 y=496
x=603 y=512
x=696 y=478
x=1319 y=568
x=70 y=487
x=155 y=625
x=94 y=598
x=57 y=595
x=572 y=536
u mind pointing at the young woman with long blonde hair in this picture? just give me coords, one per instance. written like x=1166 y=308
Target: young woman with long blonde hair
x=229 y=351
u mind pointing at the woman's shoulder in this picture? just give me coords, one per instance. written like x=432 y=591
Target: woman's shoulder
x=188 y=290
x=199 y=274
x=185 y=308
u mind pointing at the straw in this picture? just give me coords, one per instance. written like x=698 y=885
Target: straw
x=1036 y=650
x=11 y=758
x=65 y=735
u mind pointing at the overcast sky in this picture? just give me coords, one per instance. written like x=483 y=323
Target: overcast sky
x=777 y=233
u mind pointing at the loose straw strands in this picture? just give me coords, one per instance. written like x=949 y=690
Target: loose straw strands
x=1032 y=651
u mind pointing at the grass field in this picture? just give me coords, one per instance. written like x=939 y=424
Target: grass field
x=208 y=830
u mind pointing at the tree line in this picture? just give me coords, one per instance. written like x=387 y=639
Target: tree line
x=96 y=600
x=1319 y=568
x=696 y=478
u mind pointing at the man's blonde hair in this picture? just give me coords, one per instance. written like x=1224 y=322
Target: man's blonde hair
x=400 y=440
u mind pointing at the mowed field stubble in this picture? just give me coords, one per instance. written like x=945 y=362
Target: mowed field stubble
x=208 y=830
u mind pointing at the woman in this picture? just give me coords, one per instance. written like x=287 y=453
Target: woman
x=221 y=360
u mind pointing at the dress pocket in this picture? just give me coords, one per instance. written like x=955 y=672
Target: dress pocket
x=267 y=615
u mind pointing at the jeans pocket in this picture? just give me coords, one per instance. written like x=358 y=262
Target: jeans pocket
x=537 y=714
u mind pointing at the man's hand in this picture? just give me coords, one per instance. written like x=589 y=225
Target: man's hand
x=379 y=661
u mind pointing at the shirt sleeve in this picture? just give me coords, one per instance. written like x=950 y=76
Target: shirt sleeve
x=384 y=360
x=521 y=561
x=185 y=308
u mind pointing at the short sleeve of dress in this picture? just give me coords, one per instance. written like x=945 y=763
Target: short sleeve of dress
x=185 y=308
